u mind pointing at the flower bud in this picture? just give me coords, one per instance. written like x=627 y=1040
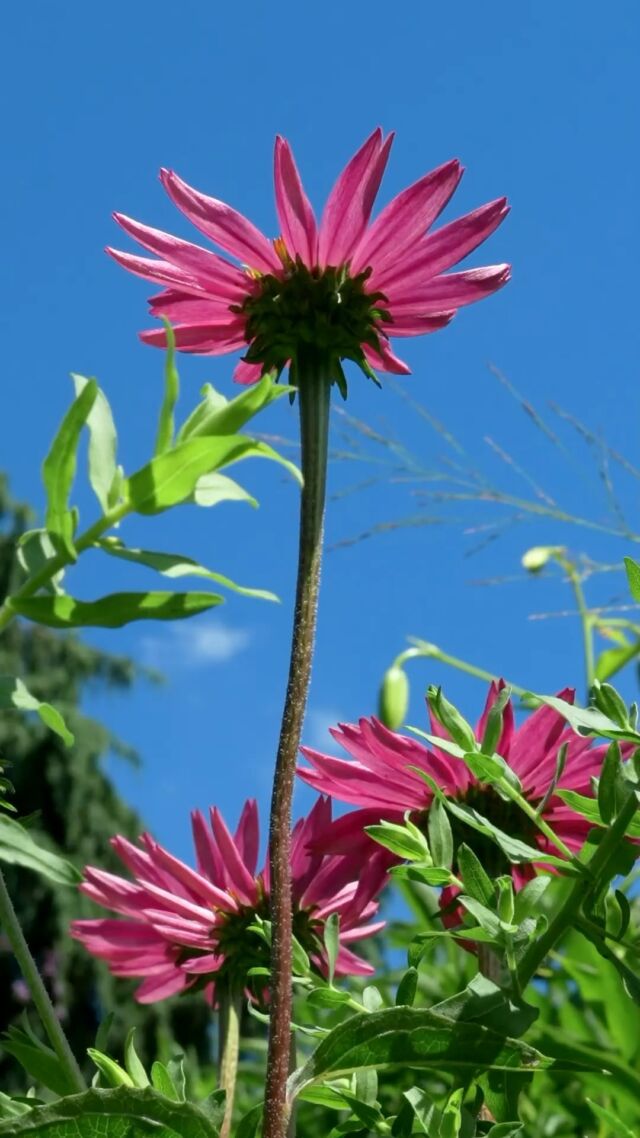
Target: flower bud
x=535 y=559
x=393 y=699
x=450 y=718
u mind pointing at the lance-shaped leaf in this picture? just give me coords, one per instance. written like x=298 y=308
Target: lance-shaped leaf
x=175 y=565
x=214 y=488
x=59 y=468
x=17 y=847
x=404 y=1037
x=14 y=693
x=114 y=610
x=216 y=415
x=633 y=577
x=35 y=548
x=585 y=720
x=588 y=808
x=166 y=424
x=102 y=443
x=124 y=1112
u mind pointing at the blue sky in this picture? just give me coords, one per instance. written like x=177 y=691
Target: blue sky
x=540 y=103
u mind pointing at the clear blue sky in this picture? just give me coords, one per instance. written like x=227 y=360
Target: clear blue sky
x=540 y=102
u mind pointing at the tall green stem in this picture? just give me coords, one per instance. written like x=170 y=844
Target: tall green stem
x=56 y=1036
x=229 y=1012
x=313 y=396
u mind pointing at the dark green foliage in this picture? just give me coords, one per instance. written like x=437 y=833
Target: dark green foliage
x=75 y=810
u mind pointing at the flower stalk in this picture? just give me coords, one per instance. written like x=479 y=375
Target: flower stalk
x=313 y=383
x=229 y=1012
x=56 y=1036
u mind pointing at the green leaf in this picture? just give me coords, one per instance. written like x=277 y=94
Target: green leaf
x=505 y=1130
x=122 y=1112
x=162 y=1081
x=114 y=610
x=411 y=1037
x=484 y=1002
x=528 y=899
x=487 y=920
x=35 y=548
x=211 y=489
x=613 y=1121
x=633 y=577
x=440 y=835
x=102 y=444
x=219 y=416
x=477 y=883
x=613 y=660
x=174 y=565
x=14 y=693
x=248 y=1126
x=585 y=720
x=39 y=1061
x=113 y=1074
x=400 y=840
x=17 y=847
x=407 y=988
x=13 y=1107
x=132 y=1063
x=612 y=788
x=171 y=478
x=331 y=936
x=59 y=468
x=588 y=808
x=166 y=424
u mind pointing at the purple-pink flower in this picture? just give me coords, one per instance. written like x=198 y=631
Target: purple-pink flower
x=379 y=779
x=345 y=284
x=179 y=927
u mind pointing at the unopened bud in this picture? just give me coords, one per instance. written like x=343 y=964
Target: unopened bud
x=493 y=729
x=506 y=902
x=393 y=699
x=450 y=718
x=536 y=558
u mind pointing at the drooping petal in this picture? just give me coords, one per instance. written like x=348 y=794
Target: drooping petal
x=222 y=224
x=451 y=290
x=203 y=891
x=205 y=267
x=537 y=737
x=405 y=219
x=200 y=339
x=350 y=202
x=240 y=880
x=184 y=308
x=167 y=983
x=352 y=782
x=385 y=360
x=297 y=221
x=442 y=249
x=247 y=835
x=418 y=325
x=161 y=271
x=246 y=373
x=348 y=964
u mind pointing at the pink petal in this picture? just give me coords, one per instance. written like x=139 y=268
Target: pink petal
x=247 y=835
x=451 y=290
x=200 y=887
x=184 y=308
x=444 y=248
x=159 y=987
x=295 y=214
x=351 y=782
x=418 y=325
x=162 y=271
x=537 y=738
x=348 y=964
x=180 y=907
x=204 y=267
x=404 y=220
x=350 y=202
x=240 y=879
x=200 y=339
x=246 y=373
x=384 y=360
x=209 y=859
x=346 y=835
x=222 y=224
x=201 y=965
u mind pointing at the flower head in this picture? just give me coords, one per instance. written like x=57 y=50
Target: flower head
x=380 y=779
x=180 y=928
x=340 y=288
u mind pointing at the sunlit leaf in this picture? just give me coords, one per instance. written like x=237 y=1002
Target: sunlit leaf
x=216 y=415
x=114 y=610
x=14 y=693
x=102 y=443
x=34 y=549
x=59 y=468
x=122 y=1112
x=175 y=565
x=18 y=847
x=411 y=1037
x=166 y=424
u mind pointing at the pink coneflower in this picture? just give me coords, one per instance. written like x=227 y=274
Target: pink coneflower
x=180 y=928
x=342 y=287
x=378 y=778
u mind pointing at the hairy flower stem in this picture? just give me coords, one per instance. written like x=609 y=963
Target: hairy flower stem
x=230 y=1011
x=10 y=924
x=313 y=395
